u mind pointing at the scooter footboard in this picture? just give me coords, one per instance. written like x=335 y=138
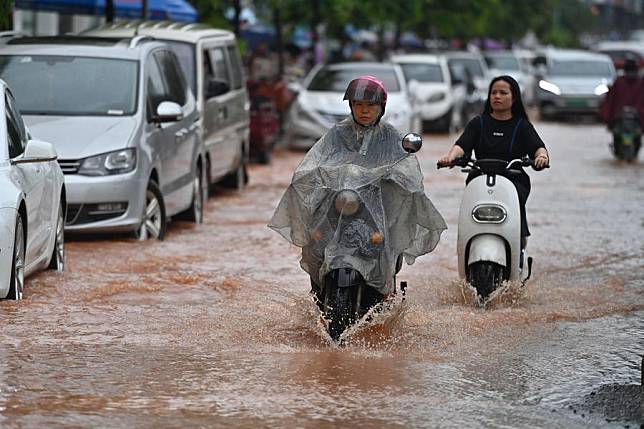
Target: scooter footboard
x=487 y=247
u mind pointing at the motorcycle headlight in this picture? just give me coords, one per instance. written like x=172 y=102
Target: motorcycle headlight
x=601 y=89
x=117 y=162
x=489 y=213
x=550 y=87
x=347 y=202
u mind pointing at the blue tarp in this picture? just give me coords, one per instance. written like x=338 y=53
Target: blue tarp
x=172 y=10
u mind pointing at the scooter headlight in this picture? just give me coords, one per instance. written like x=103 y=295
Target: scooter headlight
x=489 y=213
x=347 y=202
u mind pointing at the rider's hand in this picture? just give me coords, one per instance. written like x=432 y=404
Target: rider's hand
x=541 y=162
x=444 y=161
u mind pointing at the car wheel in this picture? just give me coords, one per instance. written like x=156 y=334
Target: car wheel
x=237 y=179
x=17 y=282
x=153 y=222
x=57 y=261
x=199 y=192
x=264 y=157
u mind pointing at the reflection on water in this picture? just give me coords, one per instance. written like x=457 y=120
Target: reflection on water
x=214 y=326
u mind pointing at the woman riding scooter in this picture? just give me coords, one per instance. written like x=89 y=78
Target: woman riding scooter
x=503 y=131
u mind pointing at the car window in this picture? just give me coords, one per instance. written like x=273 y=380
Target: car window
x=155 y=86
x=503 y=63
x=71 y=85
x=11 y=105
x=422 y=72
x=235 y=66
x=472 y=65
x=16 y=144
x=337 y=79
x=219 y=66
x=581 y=68
x=185 y=53
x=173 y=77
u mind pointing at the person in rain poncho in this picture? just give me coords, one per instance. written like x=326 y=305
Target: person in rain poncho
x=364 y=154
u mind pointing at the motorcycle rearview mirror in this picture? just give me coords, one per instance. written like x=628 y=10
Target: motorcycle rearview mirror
x=412 y=142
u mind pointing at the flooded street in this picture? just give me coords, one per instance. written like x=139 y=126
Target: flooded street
x=213 y=327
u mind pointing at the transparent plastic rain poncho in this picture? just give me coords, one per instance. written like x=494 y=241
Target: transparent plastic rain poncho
x=395 y=216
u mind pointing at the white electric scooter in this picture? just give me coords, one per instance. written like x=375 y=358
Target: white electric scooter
x=489 y=227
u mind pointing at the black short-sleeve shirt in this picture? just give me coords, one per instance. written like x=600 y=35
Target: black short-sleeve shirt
x=494 y=140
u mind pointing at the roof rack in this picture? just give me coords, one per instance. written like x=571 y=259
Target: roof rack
x=140 y=39
x=10 y=33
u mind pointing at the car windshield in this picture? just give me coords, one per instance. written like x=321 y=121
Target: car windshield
x=337 y=79
x=186 y=55
x=581 y=68
x=503 y=63
x=422 y=72
x=471 y=64
x=70 y=85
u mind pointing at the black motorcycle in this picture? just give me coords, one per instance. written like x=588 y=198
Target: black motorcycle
x=348 y=229
x=627 y=135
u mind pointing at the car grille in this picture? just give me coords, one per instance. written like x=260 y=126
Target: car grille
x=78 y=214
x=69 y=166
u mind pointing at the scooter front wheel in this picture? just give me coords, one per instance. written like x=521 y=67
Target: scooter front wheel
x=485 y=277
x=338 y=310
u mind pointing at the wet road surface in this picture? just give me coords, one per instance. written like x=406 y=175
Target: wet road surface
x=213 y=326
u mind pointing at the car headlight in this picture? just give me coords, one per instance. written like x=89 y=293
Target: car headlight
x=550 y=87
x=601 y=89
x=489 y=213
x=117 y=162
x=302 y=114
x=437 y=96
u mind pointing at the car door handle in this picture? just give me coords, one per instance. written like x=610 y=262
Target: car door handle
x=223 y=112
x=181 y=133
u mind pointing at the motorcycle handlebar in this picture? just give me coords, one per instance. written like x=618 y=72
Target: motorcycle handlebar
x=464 y=161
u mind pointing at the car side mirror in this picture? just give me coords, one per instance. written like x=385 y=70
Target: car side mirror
x=412 y=142
x=216 y=87
x=168 y=111
x=37 y=151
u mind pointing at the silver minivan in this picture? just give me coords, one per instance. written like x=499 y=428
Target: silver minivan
x=124 y=123
x=211 y=62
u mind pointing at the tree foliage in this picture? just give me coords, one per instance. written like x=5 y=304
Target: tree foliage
x=555 y=21
x=6 y=17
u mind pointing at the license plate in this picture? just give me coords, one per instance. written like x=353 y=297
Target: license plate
x=577 y=102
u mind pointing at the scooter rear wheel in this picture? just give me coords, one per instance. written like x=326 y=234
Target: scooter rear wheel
x=485 y=277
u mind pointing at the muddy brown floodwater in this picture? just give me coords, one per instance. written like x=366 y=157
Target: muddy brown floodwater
x=213 y=326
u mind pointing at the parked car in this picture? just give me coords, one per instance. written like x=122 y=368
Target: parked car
x=572 y=81
x=319 y=102
x=211 y=63
x=438 y=98
x=32 y=203
x=470 y=67
x=124 y=123
x=619 y=51
x=507 y=63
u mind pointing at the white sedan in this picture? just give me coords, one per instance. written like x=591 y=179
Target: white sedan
x=319 y=103
x=32 y=203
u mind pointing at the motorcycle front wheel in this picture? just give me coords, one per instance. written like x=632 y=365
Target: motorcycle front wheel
x=485 y=277
x=338 y=309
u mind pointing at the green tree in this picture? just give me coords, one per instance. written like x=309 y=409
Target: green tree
x=6 y=15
